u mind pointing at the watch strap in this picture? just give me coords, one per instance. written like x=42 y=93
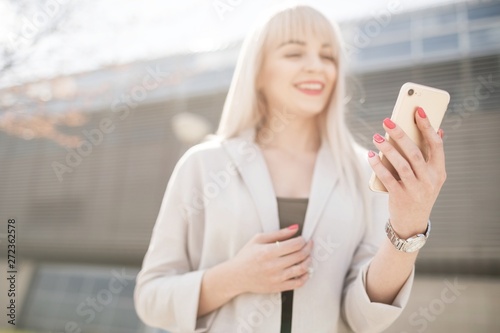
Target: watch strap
x=401 y=244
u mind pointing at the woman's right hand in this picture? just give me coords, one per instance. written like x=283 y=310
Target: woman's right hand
x=273 y=262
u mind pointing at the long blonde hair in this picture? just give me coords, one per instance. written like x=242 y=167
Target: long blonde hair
x=243 y=105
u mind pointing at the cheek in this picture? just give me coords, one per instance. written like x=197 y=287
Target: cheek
x=281 y=71
x=278 y=78
x=332 y=77
x=332 y=74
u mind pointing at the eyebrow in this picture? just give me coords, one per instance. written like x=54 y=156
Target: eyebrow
x=299 y=42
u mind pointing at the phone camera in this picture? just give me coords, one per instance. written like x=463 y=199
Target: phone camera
x=411 y=92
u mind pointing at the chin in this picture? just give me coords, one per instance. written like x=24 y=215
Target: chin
x=310 y=110
x=308 y=113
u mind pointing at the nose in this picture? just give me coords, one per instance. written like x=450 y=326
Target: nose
x=313 y=63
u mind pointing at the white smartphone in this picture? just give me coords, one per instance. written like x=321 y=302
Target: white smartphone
x=433 y=101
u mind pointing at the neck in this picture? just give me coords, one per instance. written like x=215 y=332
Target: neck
x=299 y=134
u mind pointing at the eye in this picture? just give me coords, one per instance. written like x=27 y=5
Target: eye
x=328 y=57
x=293 y=55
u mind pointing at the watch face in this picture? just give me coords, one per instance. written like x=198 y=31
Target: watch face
x=415 y=243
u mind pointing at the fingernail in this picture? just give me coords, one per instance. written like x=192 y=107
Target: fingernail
x=293 y=227
x=371 y=154
x=389 y=123
x=378 y=138
x=441 y=133
x=421 y=112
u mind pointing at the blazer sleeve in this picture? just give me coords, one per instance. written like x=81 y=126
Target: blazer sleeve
x=168 y=287
x=358 y=311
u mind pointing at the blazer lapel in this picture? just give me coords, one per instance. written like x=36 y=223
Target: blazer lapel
x=325 y=178
x=250 y=162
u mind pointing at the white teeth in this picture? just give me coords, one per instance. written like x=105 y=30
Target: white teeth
x=310 y=86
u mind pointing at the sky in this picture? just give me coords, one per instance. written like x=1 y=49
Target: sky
x=110 y=32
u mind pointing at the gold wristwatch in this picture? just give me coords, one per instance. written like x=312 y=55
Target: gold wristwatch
x=408 y=245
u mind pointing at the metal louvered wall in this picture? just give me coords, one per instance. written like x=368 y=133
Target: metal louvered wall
x=104 y=210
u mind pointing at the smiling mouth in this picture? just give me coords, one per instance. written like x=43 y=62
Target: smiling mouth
x=310 y=88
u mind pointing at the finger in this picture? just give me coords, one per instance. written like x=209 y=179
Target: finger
x=278 y=235
x=441 y=133
x=433 y=139
x=402 y=166
x=290 y=246
x=298 y=282
x=297 y=270
x=296 y=256
x=410 y=150
x=382 y=173
x=385 y=176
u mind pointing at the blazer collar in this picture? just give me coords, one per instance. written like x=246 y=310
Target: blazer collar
x=251 y=165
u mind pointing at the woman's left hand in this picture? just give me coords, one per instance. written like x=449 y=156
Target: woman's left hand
x=411 y=199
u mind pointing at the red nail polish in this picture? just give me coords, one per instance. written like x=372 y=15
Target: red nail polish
x=371 y=154
x=389 y=123
x=421 y=112
x=378 y=138
x=293 y=227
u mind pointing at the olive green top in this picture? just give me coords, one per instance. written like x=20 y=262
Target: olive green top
x=291 y=211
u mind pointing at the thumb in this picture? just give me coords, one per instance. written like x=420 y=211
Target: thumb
x=279 y=235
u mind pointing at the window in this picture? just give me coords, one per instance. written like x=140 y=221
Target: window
x=400 y=24
x=440 y=43
x=485 y=39
x=386 y=52
x=436 y=20
x=476 y=13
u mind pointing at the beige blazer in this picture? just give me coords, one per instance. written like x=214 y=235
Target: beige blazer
x=219 y=195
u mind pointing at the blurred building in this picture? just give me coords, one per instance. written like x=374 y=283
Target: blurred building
x=86 y=158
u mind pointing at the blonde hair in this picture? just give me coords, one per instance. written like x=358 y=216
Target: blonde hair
x=243 y=107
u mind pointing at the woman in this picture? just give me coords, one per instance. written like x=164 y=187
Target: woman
x=270 y=226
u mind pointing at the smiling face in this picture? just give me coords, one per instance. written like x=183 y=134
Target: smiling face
x=298 y=75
